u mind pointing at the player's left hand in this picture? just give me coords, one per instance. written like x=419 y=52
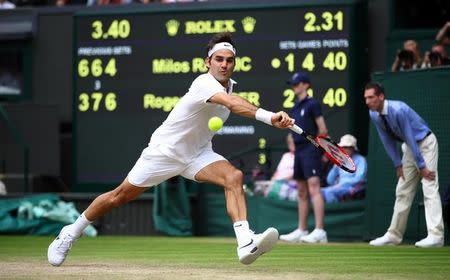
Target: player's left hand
x=282 y=120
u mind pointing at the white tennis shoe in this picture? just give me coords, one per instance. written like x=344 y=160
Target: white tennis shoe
x=258 y=245
x=429 y=242
x=294 y=236
x=316 y=236
x=386 y=239
x=59 y=248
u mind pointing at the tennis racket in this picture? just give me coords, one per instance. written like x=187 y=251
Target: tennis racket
x=333 y=151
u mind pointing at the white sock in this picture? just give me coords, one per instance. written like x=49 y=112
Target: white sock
x=242 y=231
x=79 y=225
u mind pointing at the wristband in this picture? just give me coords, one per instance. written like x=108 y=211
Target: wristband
x=264 y=116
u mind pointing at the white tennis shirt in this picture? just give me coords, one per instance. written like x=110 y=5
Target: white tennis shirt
x=185 y=133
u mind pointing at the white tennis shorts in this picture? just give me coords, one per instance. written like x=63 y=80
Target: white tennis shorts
x=154 y=167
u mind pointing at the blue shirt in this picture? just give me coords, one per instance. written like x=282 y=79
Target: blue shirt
x=405 y=123
x=305 y=113
x=338 y=176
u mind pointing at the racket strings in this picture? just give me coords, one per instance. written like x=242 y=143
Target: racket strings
x=336 y=154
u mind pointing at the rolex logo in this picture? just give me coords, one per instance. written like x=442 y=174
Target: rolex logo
x=249 y=24
x=172 y=27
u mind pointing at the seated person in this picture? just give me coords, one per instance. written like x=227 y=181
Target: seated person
x=285 y=168
x=281 y=185
x=342 y=183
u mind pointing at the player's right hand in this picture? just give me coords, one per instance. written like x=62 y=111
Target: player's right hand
x=282 y=120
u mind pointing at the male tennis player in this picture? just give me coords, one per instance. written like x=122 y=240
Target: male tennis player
x=397 y=122
x=182 y=146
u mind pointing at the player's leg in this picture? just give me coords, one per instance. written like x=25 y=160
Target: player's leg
x=223 y=174
x=121 y=195
x=59 y=248
x=213 y=168
x=151 y=169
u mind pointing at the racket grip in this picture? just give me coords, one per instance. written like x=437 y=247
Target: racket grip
x=297 y=129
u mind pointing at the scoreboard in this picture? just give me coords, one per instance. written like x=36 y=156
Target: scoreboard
x=131 y=66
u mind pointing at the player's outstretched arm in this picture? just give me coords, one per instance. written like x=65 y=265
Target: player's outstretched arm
x=235 y=104
x=242 y=107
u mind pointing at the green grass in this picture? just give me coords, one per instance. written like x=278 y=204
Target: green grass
x=215 y=257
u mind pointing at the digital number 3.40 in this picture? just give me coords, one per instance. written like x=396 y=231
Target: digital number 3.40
x=117 y=29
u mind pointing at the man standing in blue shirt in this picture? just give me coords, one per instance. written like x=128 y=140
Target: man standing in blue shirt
x=307 y=163
x=397 y=122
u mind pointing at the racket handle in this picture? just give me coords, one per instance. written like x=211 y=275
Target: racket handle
x=297 y=129
x=308 y=136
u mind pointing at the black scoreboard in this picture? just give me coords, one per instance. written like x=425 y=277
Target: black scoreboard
x=132 y=65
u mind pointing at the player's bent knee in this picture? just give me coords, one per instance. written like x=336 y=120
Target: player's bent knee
x=234 y=179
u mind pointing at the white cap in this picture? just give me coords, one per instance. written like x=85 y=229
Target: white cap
x=348 y=140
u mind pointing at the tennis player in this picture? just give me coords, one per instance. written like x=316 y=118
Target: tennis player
x=182 y=146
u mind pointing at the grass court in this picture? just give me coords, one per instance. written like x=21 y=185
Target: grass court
x=116 y=257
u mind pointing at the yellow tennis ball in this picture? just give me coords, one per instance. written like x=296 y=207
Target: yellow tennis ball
x=215 y=123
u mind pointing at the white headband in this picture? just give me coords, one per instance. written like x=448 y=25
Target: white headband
x=220 y=46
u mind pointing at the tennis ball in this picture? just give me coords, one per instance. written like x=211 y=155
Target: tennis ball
x=215 y=123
